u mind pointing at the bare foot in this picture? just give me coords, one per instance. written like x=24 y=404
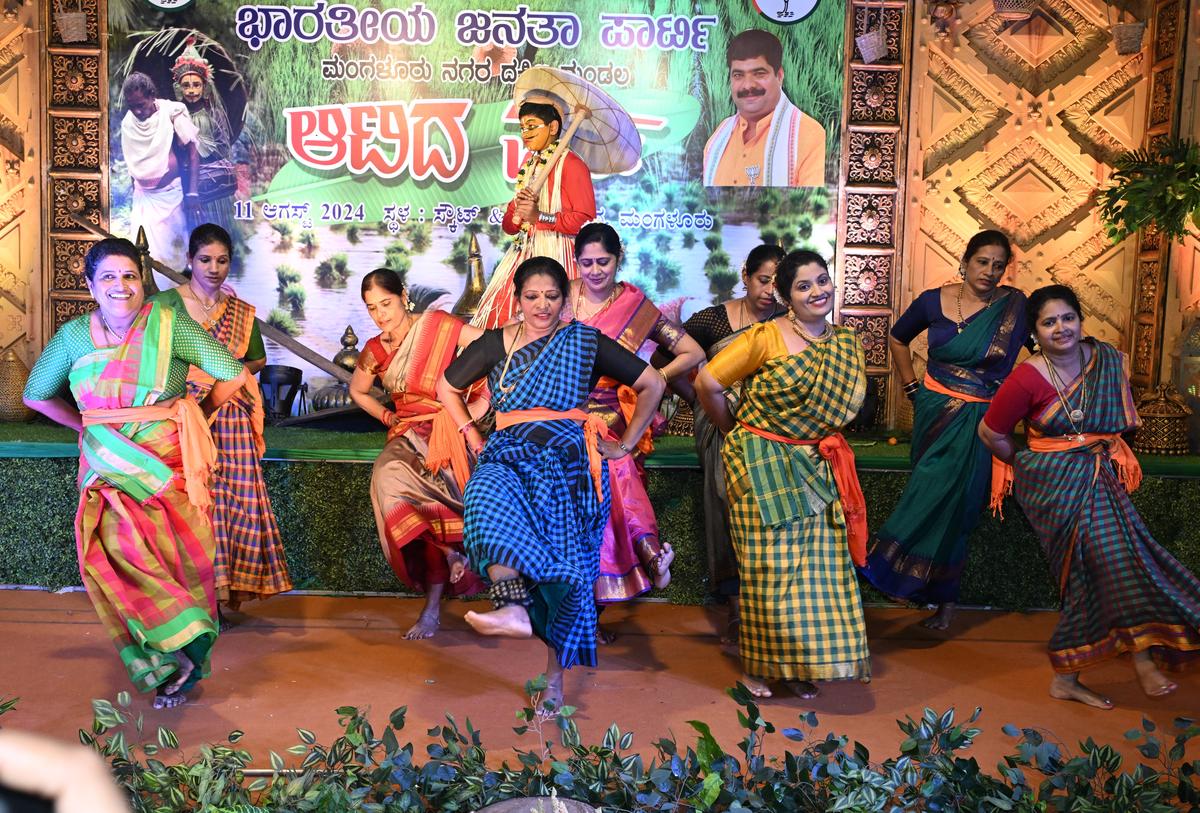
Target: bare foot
x=427 y=624
x=604 y=636
x=941 y=619
x=186 y=667
x=757 y=687
x=1154 y=683
x=733 y=623
x=458 y=566
x=1068 y=687
x=552 y=698
x=510 y=622
x=223 y=622
x=169 y=701
x=662 y=571
x=804 y=689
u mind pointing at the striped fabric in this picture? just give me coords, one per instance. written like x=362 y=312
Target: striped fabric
x=145 y=558
x=531 y=504
x=250 y=561
x=1121 y=592
x=801 y=610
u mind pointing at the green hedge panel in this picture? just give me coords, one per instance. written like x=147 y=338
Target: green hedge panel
x=324 y=513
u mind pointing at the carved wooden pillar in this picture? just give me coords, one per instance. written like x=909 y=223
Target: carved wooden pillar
x=76 y=134
x=871 y=200
x=1165 y=31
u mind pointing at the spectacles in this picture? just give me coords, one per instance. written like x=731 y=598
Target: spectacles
x=529 y=128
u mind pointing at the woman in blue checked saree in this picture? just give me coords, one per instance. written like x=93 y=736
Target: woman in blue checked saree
x=1121 y=592
x=796 y=511
x=537 y=502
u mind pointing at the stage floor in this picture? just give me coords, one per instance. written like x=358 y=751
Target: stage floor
x=296 y=658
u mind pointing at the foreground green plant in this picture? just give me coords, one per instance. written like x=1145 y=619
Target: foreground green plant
x=369 y=770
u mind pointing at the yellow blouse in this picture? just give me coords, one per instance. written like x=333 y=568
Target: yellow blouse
x=748 y=352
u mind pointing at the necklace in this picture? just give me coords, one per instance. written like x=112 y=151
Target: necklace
x=741 y=314
x=120 y=337
x=579 y=302
x=824 y=336
x=1075 y=416
x=208 y=309
x=962 y=323
x=512 y=349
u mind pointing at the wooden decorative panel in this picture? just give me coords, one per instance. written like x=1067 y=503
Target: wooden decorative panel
x=1162 y=95
x=92 y=9
x=874 y=96
x=873 y=330
x=75 y=143
x=872 y=159
x=1166 y=34
x=868 y=280
x=74 y=196
x=75 y=81
x=893 y=31
x=67 y=264
x=870 y=219
x=67 y=309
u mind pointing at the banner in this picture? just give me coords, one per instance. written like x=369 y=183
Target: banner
x=334 y=138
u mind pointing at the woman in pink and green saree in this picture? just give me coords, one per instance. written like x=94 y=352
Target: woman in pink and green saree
x=142 y=530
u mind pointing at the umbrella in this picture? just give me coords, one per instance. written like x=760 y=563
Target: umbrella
x=597 y=128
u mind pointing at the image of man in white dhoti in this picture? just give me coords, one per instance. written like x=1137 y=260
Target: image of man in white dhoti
x=769 y=141
x=156 y=136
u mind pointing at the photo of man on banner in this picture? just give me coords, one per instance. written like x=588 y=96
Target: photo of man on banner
x=769 y=141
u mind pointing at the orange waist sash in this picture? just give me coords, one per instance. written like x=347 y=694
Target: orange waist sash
x=1002 y=473
x=196 y=446
x=837 y=451
x=447 y=446
x=593 y=428
x=1129 y=471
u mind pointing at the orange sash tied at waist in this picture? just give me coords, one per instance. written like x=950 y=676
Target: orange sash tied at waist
x=196 y=445
x=837 y=451
x=593 y=428
x=1002 y=473
x=447 y=446
x=1125 y=462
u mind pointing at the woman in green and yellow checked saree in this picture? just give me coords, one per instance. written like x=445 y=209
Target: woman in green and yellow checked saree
x=976 y=328
x=1121 y=592
x=142 y=531
x=796 y=511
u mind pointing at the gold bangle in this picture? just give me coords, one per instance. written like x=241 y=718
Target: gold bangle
x=462 y=429
x=662 y=371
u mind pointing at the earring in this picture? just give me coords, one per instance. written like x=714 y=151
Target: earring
x=410 y=306
x=1037 y=347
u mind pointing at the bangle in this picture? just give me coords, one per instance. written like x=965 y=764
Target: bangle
x=463 y=428
x=549 y=219
x=662 y=371
x=386 y=417
x=910 y=389
x=621 y=445
x=191 y=194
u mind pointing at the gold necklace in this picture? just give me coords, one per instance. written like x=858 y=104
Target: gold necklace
x=513 y=348
x=824 y=336
x=1075 y=416
x=120 y=337
x=579 y=302
x=962 y=323
x=741 y=314
x=208 y=309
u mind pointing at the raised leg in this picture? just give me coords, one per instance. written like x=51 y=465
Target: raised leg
x=509 y=594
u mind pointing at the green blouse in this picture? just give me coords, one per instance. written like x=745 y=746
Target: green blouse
x=172 y=298
x=190 y=344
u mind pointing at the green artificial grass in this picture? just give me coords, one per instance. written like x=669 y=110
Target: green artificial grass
x=324 y=511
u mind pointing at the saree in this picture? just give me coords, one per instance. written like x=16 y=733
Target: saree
x=250 y=561
x=801 y=611
x=145 y=551
x=569 y=180
x=1121 y=592
x=722 y=564
x=532 y=503
x=919 y=553
x=418 y=513
x=630 y=541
